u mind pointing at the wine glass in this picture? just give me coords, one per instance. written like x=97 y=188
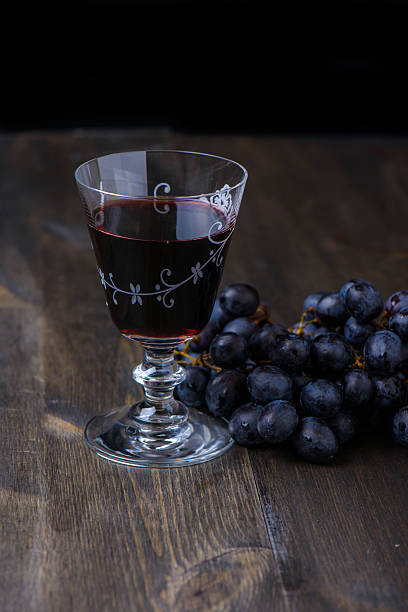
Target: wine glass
x=160 y=222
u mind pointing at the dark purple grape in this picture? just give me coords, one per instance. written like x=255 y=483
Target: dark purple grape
x=204 y=338
x=315 y=441
x=239 y=300
x=226 y=391
x=277 y=421
x=250 y=365
x=383 y=353
x=268 y=383
x=298 y=382
x=290 y=352
x=400 y=426
x=396 y=301
x=243 y=326
x=262 y=339
x=344 y=426
x=398 y=323
x=330 y=355
x=358 y=389
x=243 y=425
x=321 y=398
x=357 y=333
x=313 y=299
x=317 y=330
x=389 y=393
x=331 y=310
x=347 y=286
x=363 y=301
x=218 y=316
x=228 y=350
x=191 y=391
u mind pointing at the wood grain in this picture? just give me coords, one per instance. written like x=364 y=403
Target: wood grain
x=254 y=530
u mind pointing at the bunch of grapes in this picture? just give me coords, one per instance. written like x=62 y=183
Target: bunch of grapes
x=341 y=369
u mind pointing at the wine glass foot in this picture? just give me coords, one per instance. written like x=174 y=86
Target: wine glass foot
x=113 y=437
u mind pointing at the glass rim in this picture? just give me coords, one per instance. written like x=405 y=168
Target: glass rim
x=161 y=197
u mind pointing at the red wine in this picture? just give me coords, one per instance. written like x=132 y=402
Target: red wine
x=160 y=263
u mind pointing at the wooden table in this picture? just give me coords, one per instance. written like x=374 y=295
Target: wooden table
x=253 y=530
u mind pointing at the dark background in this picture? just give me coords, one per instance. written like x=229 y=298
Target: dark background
x=213 y=65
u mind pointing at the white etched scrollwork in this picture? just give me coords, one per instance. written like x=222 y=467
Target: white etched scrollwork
x=163 y=289
x=166 y=207
x=216 y=255
x=221 y=199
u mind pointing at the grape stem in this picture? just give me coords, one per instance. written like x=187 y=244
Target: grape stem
x=204 y=359
x=208 y=363
x=382 y=322
x=303 y=323
x=358 y=360
x=260 y=315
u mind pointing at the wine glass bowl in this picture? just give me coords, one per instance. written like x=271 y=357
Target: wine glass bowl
x=160 y=254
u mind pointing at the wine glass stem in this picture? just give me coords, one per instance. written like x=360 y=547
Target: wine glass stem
x=160 y=421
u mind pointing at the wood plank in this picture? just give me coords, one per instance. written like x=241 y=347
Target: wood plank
x=79 y=533
x=253 y=530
